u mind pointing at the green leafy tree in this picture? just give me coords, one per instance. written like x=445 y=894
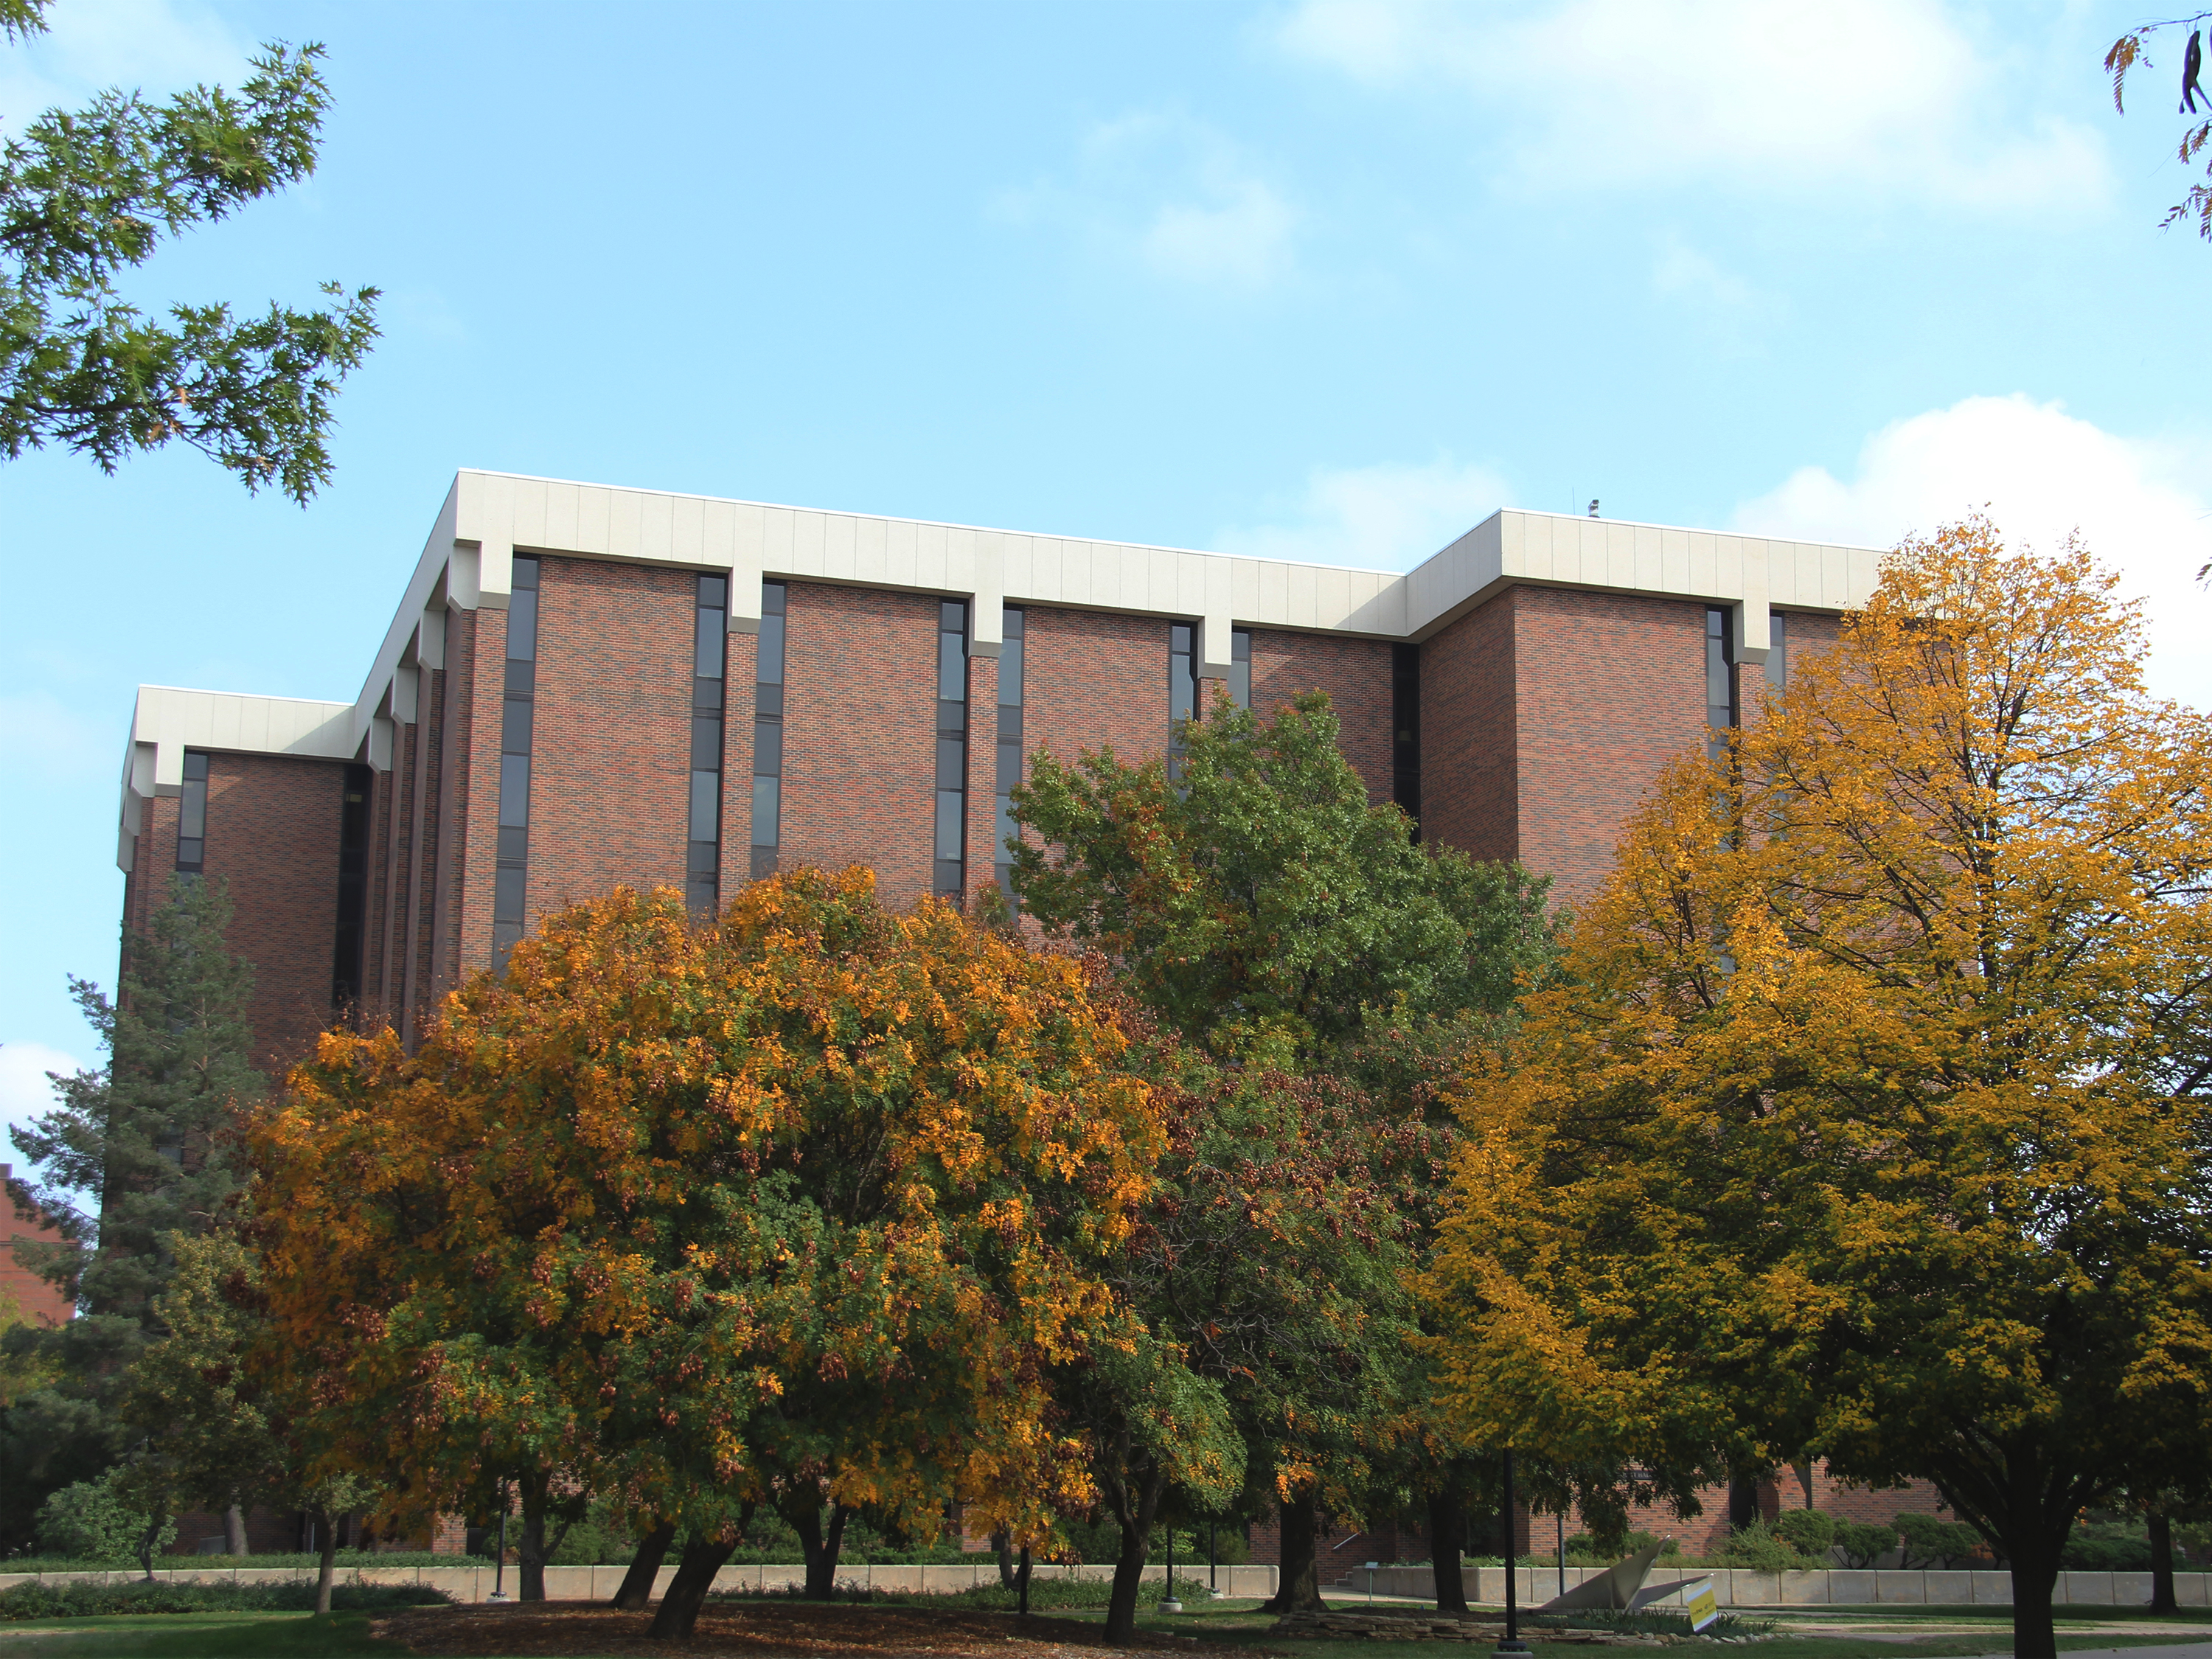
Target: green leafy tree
x=105 y=1520
x=202 y=1437
x=133 y=1157
x=1259 y=893
x=1262 y=909
x=85 y=197
x=1249 y=1370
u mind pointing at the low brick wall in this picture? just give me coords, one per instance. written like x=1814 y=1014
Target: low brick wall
x=1738 y=1587
x=475 y=1584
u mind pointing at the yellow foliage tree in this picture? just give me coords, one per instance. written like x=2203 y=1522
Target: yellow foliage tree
x=801 y=1207
x=1864 y=1117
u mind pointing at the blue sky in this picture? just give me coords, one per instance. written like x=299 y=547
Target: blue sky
x=1328 y=280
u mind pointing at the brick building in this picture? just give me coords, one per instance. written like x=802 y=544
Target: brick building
x=584 y=686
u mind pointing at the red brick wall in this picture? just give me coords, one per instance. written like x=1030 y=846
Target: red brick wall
x=1706 y=1533
x=859 y=733
x=413 y=976
x=610 y=762
x=1092 y=681
x=739 y=665
x=1356 y=674
x=1470 y=780
x=273 y=835
x=983 y=773
x=34 y=1298
x=1609 y=688
x=476 y=807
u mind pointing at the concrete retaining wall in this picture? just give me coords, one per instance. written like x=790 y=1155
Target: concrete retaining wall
x=599 y=1583
x=1738 y=1587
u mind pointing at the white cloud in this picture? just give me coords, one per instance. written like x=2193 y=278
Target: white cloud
x=1173 y=196
x=1900 y=98
x=24 y=1091
x=1387 y=517
x=1682 y=271
x=158 y=46
x=2139 y=504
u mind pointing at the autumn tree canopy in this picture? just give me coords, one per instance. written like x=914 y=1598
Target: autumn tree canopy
x=1853 y=1125
x=799 y=1208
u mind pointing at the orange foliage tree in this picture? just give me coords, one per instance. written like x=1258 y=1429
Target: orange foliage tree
x=803 y=1207
x=1868 y=1114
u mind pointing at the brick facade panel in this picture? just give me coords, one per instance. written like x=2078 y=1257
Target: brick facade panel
x=1356 y=674
x=859 y=734
x=1470 y=790
x=1093 y=681
x=479 y=692
x=1610 y=687
x=610 y=768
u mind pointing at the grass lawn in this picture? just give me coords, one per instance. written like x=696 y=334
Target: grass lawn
x=195 y=1636
x=1240 y=1624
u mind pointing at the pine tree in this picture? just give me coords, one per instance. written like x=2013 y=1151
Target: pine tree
x=133 y=1155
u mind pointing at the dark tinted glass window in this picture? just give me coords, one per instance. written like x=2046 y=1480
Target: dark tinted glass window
x=192 y=816
x=767 y=731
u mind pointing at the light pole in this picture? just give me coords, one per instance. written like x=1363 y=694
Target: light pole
x=1512 y=1645
x=499 y=1560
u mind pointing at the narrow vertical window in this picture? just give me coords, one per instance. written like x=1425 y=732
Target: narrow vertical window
x=191 y=818
x=768 y=733
x=1406 y=731
x=518 y=715
x=1010 y=747
x=1777 y=650
x=1182 y=689
x=951 y=868
x=353 y=884
x=1720 y=680
x=1240 y=666
x=703 y=864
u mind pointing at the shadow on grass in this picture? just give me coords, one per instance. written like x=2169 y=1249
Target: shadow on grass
x=196 y=1636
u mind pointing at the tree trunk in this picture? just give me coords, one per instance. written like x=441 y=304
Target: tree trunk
x=2161 y=1561
x=687 y=1591
x=1447 y=1526
x=1300 y=1583
x=531 y=1550
x=233 y=1533
x=1002 y=1545
x=326 y=1568
x=1136 y=1523
x=819 y=1547
x=637 y=1592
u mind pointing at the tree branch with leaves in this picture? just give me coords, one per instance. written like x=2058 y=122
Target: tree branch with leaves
x=87 y=196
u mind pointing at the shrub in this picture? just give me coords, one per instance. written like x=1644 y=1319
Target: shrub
x=81 y=1600
x=95 y=1522
x=1928 y=1543
x=1758 y=1548
x=2107 y=1548
x=1044 y=1593
x=1584 y=1550
x=1865 y=1542
x=1806 y=1531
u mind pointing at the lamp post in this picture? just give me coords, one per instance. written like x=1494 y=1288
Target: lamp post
x=499 y=1560
x=1512 y=1645
x=1168 y=1603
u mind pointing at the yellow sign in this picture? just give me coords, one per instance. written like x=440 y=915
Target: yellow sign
x=1703 y=1605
